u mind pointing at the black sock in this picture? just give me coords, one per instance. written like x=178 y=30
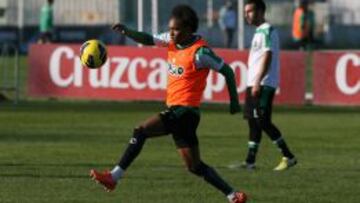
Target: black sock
x=275 y=135
x=211 y=177
x=254 y=140
x=135 y=145
x=252 y=151
x=281 y=144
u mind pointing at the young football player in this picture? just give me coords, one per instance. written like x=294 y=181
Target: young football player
x=190 y=60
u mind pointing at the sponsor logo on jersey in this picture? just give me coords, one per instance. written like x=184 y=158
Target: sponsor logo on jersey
x=175 y=70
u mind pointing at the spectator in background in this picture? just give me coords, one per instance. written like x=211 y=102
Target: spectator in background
x=227 y=22
x=46 y=22
x=303 y=25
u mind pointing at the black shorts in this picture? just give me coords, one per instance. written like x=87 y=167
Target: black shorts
x=182 y=123
x=260 y=106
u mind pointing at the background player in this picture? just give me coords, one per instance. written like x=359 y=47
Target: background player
x=262 y=81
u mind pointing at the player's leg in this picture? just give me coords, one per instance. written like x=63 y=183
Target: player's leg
x=275 y=135
x=152 y=127
x=253 y=143
x=193 y=163
x=184 y=134
x=266 y=124
x=254 y=130
x=288 y=160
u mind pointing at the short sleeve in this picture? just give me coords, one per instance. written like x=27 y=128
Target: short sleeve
x=162 y=39
x=206 y=58
x=267 y=39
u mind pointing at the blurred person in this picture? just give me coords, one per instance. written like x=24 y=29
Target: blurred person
x=262 y=81
x=46 y=22
x=190 y=60
x=227 y=22
x=303 y=25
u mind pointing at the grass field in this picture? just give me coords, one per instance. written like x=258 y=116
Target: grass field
x=48 y=147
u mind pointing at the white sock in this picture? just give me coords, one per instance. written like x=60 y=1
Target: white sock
x=117 y=173
x=231 y=196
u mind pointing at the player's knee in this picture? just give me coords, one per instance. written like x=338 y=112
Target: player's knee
x=197 y=169
x=264 y=123
x=139 y=135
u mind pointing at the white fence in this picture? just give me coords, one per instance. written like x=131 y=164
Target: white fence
x=66 y=12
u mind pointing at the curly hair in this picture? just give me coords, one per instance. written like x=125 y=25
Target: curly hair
x=186 y=16
x=259 y=4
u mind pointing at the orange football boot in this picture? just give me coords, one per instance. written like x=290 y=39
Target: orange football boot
x=240 y=197
x=103 y=178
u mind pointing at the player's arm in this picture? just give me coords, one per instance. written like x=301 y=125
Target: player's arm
x=206 y=58
x=139 y=37
x=229 y=75
x=160 y=40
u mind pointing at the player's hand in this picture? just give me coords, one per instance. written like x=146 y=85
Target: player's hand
x=234 y=107
x=120 y=28
x=255 y=90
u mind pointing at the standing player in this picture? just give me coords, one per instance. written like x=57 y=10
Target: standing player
x=46 y=22
x=189 y=59
x=262 y=81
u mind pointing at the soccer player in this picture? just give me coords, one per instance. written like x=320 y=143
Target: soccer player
x=262 y=81
x=190 y=60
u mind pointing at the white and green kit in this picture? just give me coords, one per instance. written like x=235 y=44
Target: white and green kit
x=265 y=39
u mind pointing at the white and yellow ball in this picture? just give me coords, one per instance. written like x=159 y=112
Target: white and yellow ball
x=93 y=54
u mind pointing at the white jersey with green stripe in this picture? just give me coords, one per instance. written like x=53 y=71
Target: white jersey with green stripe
x=265 y=39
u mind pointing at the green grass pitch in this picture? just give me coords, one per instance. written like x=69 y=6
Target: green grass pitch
x=48 y=147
